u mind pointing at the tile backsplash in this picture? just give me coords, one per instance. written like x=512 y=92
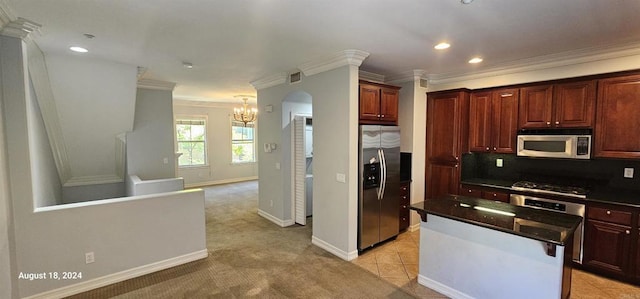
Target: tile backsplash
x=588 y=173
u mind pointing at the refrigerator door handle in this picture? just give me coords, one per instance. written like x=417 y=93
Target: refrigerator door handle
x=384 y=172
x=381 y=178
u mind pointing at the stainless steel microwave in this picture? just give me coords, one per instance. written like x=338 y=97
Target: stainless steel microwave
x=555 y=144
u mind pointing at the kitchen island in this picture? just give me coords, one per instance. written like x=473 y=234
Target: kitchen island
x=477 y=248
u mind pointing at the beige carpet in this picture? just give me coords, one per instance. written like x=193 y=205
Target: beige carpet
x=251 y=257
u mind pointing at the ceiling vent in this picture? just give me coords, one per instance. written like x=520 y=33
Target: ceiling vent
x=424 y=83
x=295 y=77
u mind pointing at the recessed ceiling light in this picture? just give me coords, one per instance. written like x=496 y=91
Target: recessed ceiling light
x=475 y=60
x=466 y=1
x=79 y=49
x=442 y=46
x=187 y=65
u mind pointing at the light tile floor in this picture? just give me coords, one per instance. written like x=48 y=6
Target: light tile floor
x=397 y=262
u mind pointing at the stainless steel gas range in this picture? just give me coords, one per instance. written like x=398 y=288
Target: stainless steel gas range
x=568 y=207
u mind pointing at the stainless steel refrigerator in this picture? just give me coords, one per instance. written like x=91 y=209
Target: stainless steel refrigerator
x=379 y=192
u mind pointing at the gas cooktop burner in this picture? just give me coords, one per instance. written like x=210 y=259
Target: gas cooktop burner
x=550 y=189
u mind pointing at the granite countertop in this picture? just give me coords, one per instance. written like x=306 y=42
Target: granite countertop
x=604 y=195
x=546 y=226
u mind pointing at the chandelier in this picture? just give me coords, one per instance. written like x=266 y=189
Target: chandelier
x=244 y=113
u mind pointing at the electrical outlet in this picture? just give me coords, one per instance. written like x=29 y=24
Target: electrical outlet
x=628 y=173
x=165 y=160
x=498 y=162
x=278 y=165
x=89 y=257
x=271 y=203
x=341 y=177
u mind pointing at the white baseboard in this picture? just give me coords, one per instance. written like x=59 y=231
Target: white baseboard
x=219 y=182
x=347 y=256
x=121 y=276
x=414 y=227
x=276 y=220
x=442 y=289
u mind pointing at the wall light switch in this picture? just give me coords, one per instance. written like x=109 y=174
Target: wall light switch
x=89 y=257
x=165 y=160
x=628 y=173
x=277 y=165
x=498 y=162
x=341 y=177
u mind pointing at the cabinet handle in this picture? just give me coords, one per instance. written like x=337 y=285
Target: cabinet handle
x=627 y=232
x=487 y=149
x=469 y=190
x=608 y=212
x=494 y=148
x=504 y=95
x=548 y=123
x=378 y=115
x=557 y=122
x=383 y=116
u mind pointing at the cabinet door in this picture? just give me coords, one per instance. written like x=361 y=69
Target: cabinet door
x=505 y=121
x=404 y=206
x=470 y=191
x=536 y=107
x=495 y=195
x=606 y=246
x=617 y=121
x=442 y=180
x=480 y=121
x=443 y=128
x=389 y=105
x=574 y=104
x=369 y=102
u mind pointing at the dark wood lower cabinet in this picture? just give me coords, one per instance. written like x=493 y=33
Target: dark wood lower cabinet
x=405 y=201
x=607 y=247
x=486 y=193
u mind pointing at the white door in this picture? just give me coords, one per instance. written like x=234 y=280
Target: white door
x=299 y=128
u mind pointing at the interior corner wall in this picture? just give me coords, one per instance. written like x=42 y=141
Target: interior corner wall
x=335 y=119
x=418 y=158
x=8 y=277
x=219 y=168
x=151 y=143
x=47 y=186
x=95 y=100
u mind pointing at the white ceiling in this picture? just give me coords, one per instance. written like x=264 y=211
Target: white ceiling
x=233 y=42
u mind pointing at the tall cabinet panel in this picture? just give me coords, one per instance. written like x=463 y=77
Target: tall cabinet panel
x=617 y=121
x=447 y=133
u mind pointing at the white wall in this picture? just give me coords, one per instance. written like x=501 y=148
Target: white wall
x=219 y=169
x=124 y=234
x=335 y=126
x=95 y=100
x=152 y=138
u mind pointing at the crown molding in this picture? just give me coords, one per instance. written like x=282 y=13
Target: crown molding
x=408 y=76
x=6 y=14
x=156 y=84
x=562 y=59
x=269 y=81
x=19 y=28
x=369 y=76
x=207 y=104
x=342 y=58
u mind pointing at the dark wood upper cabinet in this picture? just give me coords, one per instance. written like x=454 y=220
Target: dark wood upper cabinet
x=536 y=106
x=566 y=105
x=378 y=103
x=617 y=122
x=574 y=104
x=493 y=120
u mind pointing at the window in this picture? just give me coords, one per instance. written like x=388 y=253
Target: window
x=191 y=142
x=242 y=142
